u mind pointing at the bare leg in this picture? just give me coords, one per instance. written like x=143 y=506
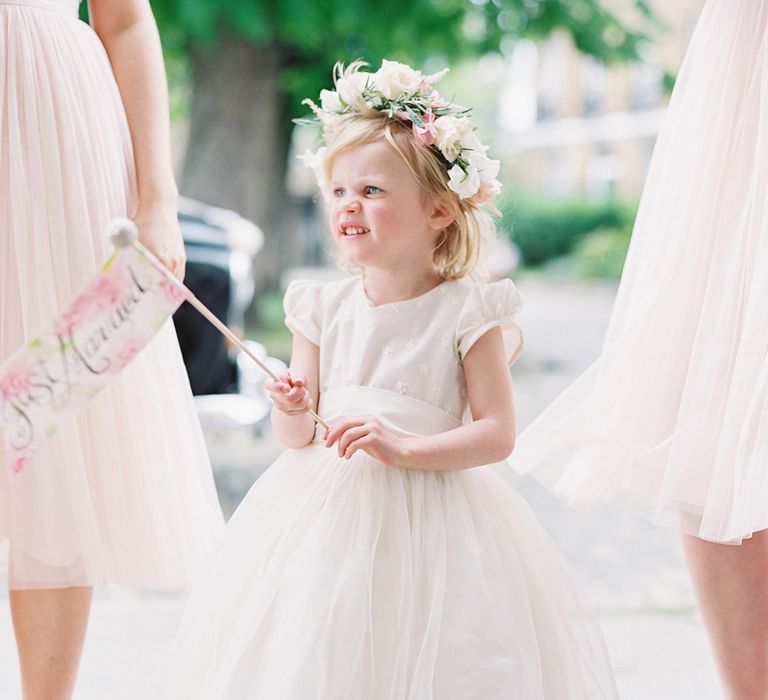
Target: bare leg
x=50 y=629
x=731 y=582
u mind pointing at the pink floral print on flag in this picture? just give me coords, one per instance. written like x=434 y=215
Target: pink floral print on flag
x=93 y=339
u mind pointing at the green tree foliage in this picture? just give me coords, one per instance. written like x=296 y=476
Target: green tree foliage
x=314 y=34
x=544 y=229
x=252 y=61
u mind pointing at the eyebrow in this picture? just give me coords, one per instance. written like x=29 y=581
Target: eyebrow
x=364 y=179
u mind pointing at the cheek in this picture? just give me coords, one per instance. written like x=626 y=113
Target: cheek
x=388 y=217
x=332 y=215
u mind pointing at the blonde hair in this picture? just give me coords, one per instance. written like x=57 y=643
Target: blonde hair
x=462 y=244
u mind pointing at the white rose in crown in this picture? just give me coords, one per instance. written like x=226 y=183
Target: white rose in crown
x=350 y=89
x=393 y=79
x=406 y=95
x=330 y=101
x=487 y=167
x=316 y=161
x=471 y=143
x=464 y=184
x=452 y=132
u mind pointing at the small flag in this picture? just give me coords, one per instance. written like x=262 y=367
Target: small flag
x=93 y=339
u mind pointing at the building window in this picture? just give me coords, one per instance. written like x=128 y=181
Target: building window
x=595 y=87
x=603 y=173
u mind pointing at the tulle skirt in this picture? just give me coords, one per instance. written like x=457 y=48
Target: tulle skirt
x=124 y=492
x=343 y=580
x=674 y=414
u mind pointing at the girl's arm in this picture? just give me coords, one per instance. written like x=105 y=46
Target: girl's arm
x=489 y=438
x=128 y=31
x=292 y=424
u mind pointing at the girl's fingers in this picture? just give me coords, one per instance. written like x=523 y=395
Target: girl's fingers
x=338 y=430
x=359 y=444
x=298 y=379
x=349 y=437
x=293 y=409
x=288 y=399
x=283 y=386
x=296 y=398
x=296 y=393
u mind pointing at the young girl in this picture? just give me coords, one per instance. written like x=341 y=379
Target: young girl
x=370 y=562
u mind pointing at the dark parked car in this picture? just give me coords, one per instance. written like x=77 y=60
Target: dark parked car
x=228 y=386
x=220 y=245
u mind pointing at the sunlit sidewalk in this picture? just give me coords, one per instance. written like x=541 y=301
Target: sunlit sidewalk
x=656 y=655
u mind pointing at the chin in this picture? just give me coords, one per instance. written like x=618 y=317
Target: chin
x=349 y=262
x=354 y=257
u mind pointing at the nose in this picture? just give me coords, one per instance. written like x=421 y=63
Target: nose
x=351 y=204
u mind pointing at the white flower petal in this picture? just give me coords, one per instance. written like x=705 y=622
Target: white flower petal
x=451 y=132
x=487 y=167
x=464 y=184
x=316 y=161
x=393 y=79
x=330 y=101
x=350 y=88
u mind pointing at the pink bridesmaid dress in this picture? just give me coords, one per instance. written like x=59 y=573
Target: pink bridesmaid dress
x=673 y=417
x=124 y=493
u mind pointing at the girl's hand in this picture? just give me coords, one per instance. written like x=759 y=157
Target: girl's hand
x=159 y=232
x=366 y=433
x=289 y=393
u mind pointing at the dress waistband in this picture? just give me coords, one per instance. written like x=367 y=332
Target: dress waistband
x=61 y=7
x=405 y=414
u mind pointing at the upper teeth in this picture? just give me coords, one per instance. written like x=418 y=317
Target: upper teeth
x=354 y=230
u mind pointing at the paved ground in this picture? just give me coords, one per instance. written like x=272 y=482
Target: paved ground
x=632 y=573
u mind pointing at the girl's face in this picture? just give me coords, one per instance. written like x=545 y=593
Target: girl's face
x=378 y=214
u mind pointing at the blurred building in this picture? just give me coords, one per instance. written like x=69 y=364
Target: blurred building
x=576 y=127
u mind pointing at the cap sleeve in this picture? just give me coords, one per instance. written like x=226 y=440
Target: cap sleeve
x=302 y=309
x=488 y=306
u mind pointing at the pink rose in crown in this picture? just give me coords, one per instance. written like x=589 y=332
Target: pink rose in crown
x=487 y=192
x=426 y=133
x=16 y=378
x=437 y=101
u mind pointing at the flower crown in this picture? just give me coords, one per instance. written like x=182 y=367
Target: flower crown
x=408 y=96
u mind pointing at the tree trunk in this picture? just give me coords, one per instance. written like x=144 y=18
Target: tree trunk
x=238 y=145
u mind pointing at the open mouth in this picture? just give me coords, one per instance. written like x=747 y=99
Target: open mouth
x=354 y=230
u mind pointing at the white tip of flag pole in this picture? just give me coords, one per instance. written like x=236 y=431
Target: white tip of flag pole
x=123 y=232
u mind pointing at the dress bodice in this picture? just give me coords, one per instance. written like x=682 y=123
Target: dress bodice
x=402 y=360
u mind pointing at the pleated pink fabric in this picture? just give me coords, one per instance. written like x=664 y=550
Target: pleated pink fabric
x=124 y=492
x=674 y=414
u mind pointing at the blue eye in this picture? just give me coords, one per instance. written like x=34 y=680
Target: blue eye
x=372 y=189
x=338 y=192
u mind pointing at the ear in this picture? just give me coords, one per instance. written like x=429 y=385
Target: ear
x=441 y=214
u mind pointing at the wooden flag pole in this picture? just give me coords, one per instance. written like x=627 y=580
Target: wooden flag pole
x=124 y=232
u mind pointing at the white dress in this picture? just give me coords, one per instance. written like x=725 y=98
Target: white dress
x=124 y=492
x=352 y=580
x=674 y=414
